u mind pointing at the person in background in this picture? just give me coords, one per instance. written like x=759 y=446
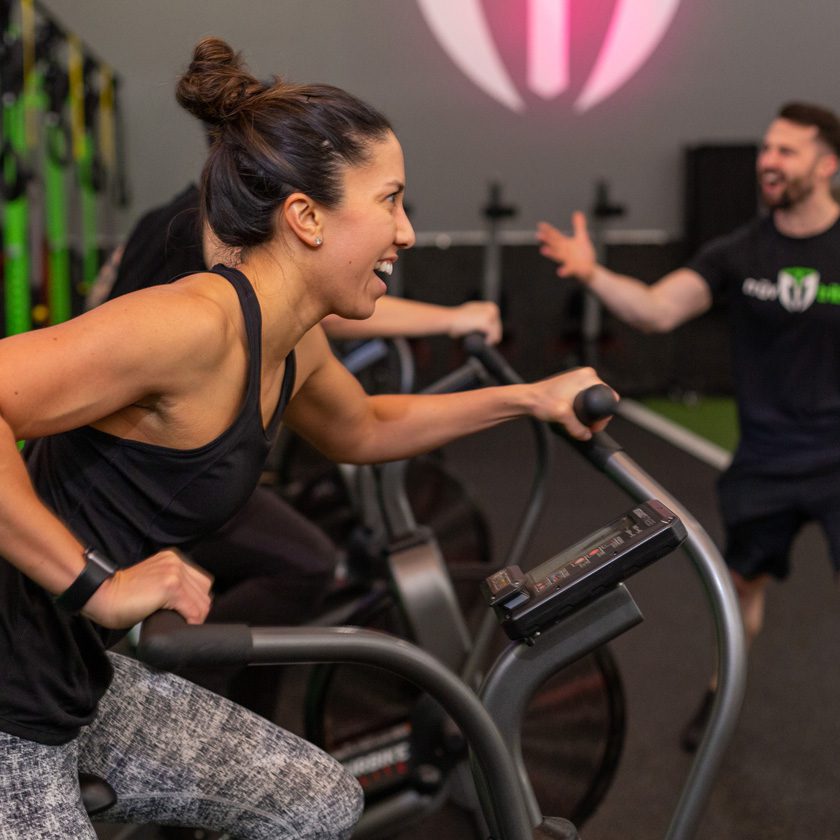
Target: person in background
x=780 y=278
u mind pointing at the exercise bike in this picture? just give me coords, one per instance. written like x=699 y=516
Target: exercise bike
x=506 y=800
x=575 y=723
x=422 y=584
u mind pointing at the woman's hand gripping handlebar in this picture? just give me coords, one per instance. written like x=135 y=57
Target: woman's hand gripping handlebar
x=576 y=402
x=166 y=580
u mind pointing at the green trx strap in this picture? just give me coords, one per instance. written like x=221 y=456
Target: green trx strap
x=90 y=177
x=16 y=298
x=121 y=191
x=57 y=160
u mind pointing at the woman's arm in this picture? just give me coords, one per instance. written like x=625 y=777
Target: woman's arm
x=152 y=348
x=78 y=373
x=332 y=411
x=396 y=316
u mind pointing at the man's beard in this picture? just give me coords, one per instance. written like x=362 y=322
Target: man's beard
x=794 y=192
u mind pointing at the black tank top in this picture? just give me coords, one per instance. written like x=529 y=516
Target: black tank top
x=129 y=499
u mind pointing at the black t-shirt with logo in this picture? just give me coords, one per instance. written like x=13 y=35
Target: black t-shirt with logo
x=783 y=299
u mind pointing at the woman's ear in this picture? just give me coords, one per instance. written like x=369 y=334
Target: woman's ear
x=303 y=218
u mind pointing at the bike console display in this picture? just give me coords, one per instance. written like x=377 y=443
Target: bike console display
x=527 y=602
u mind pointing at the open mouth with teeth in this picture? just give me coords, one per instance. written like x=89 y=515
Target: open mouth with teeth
x=383 y=270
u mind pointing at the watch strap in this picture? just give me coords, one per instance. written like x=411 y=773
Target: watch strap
x=97 y=570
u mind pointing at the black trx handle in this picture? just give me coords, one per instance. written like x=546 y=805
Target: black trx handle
x=59 y=144
x=11 y=67
x=57 y=87
x=121 y=185
x=5 y=15
x=16 y=187
x=95 y=177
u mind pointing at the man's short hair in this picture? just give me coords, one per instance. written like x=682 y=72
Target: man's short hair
x=825 y=121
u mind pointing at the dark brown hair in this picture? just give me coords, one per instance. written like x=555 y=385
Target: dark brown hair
x=269 y=140
x=825 y=121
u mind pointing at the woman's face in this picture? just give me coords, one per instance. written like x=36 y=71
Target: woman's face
x=363 y=234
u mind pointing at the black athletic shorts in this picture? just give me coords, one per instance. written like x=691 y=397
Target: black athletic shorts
x=764 y=513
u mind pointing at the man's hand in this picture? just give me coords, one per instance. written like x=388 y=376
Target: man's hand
x=575 y=254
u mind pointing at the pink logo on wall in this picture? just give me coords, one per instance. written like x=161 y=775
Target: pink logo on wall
x=635 y=30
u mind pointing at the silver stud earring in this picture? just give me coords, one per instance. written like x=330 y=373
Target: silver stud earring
x=318 y=240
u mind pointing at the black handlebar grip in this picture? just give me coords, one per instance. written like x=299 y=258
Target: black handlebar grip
x=169 y=643
x=594 y=403
x=474 y=343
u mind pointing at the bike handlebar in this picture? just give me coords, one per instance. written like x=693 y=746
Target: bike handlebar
x=167 y=641
x=607 y=456
x=591 y=404
x=595 y=403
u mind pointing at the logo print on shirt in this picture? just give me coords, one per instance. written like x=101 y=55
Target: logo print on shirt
x=635 y=31
x=798 y=288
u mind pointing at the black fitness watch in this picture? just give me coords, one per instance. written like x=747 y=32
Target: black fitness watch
x=96 y=571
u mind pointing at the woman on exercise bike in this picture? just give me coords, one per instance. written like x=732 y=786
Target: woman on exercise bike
x=148 y=420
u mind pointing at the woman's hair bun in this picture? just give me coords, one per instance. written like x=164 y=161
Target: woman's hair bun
x=217 y=84
x=268 y=140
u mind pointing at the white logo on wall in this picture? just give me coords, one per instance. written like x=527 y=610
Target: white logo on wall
x=635 y=30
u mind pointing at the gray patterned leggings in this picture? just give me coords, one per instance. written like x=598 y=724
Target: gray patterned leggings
x=176 y=754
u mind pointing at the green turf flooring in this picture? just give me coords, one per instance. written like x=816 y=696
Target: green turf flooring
x=713 y=418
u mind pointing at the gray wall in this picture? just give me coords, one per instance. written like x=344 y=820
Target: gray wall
x=722 y=69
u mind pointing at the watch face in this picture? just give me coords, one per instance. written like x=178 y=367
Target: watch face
x=91 y=555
